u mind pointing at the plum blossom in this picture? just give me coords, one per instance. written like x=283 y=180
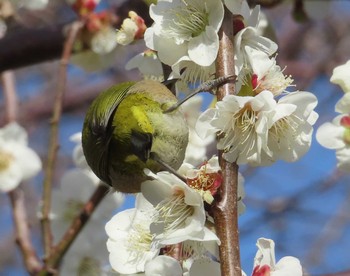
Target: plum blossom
x=196 y=151
x=259 y=130
x=248 y=34
x=340 y=76
x=264 y=74
x=104 y=41
x=336 y=134
x=163 y=266
x=148 y=64
x=131 y=244
x=185 y=28
x=179 y=209
x=132 y=28
x=265 y=262
x=188 y=72
x=18 y=162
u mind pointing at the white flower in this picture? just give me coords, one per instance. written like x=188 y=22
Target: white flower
x=130 y=243
x=258 y=130
x=190 y=73
x=290 y=134
x=336 y=135
x=265 y=262
x=179 y=210
x=86 y=256
x=250 y=17
x=104 y=41
x=163 y=266
x=75 y=190
x=264 y=74
x=197 y=147
x=18 y=162
x=245 y=40
x=341 y=75
x=148 y=64
x=131 y=29
x=185 y=28
x=207 y=179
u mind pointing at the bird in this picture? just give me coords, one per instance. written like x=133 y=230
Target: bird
x=128 y=128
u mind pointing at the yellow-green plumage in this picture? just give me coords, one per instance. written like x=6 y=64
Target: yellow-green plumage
x=124 y=125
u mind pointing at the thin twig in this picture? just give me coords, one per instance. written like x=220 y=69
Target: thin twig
x=77 y=225
x=23 y=239
x=8 y=82
x=53 y=143
x=29 y=255
x=225 y=209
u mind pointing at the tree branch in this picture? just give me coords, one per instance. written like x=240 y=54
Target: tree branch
x=54 y=144
x=225 y=210
x=23 y=46
x=30 y=258
x=77 y=225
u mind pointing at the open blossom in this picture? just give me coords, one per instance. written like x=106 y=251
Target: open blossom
x=148 y=64
x=185 y=28
x=190 y=73
x=336 y=134
x=130 y=243
x=248 y=35
x=18 y=162
x=259 y=130
x=340 y=76
x=179 y=209
x=196 y=151
x=263 y=74
x=265 y=262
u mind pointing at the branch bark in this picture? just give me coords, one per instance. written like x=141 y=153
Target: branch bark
x=225 y=208
x=30 y=258
x=54 y=144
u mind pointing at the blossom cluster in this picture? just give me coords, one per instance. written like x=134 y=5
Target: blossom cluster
x=262 y=122
x=258 y=125
x=336 y=134
x=169 y=215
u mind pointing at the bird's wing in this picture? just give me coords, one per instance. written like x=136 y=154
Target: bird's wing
x=97 y=130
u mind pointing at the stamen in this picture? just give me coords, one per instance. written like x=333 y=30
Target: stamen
x=173 y=212
x=189 y=20
x=5 y=160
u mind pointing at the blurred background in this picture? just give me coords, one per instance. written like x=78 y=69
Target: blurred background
x=303 y=206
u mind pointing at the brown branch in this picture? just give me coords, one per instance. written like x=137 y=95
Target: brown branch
x=54 y=144
x=29 y=255
x=77 y=225
x=30 y=258
x=225 y=208
x=10 y=94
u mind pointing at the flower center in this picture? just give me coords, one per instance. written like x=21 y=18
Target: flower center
x=5 y=160
x=89 y=267
x=187 y=20
x=345 y=122
x=262 y=270
x=206 y=183
x=173 y=212
x=285 y=127
x=140 y=239
x=72 y=208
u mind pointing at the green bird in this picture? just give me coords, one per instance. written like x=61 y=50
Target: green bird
x=126 y=130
